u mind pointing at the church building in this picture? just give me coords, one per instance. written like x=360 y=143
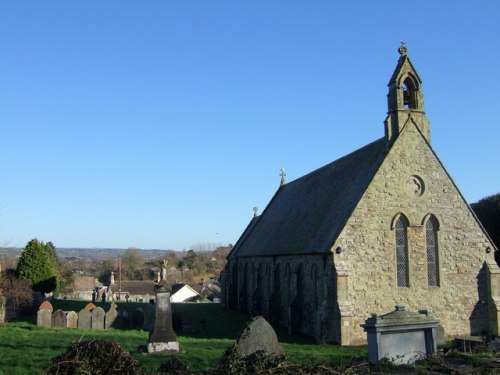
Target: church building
x=381 y=226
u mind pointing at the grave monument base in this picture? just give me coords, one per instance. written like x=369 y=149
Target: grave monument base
x=158 y=347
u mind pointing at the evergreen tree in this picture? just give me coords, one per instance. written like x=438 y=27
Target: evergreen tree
x=487 y=211
x=38 y=263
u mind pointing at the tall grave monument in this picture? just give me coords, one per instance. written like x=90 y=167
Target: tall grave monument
x=163 y=338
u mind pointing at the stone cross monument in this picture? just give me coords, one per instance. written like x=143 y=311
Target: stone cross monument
x=163 y=338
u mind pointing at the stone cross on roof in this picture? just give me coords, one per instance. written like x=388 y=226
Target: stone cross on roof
x=283 y=175
x=403 y=51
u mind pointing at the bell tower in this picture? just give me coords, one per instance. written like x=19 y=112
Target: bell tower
x=405 y=100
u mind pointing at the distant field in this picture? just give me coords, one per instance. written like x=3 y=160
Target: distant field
x=27 y=349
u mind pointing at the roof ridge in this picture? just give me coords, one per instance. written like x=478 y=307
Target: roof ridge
x=342 y=158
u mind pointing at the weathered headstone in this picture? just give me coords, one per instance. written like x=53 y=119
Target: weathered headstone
x=258 y=335
x=44 y=315
x=163 y=338
x=149 y=318
x=12 y=312
x=59 y=319
x=124 y=319
x=46 y=305
x=98 y=316
x=84 y=319
x=3 y=310
x=89 y=307
x=71 y=319
x=44 y=318
x=138 y=318
x=112 y=317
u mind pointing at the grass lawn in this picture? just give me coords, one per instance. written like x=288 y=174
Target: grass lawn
x=27 y=349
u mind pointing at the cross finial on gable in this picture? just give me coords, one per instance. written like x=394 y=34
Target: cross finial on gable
x=403 y=51
x=283 y=175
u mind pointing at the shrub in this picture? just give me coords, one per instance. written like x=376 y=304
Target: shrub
x=95 y=356
x=173 y=366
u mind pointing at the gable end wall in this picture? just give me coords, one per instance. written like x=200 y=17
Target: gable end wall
x=368 y=245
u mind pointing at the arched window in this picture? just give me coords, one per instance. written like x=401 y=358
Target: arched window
x=431 y=229
x=401 y=229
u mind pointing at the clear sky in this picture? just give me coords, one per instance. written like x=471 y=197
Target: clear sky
x=161 y=124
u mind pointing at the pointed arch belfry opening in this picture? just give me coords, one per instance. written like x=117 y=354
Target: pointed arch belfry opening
x=409 y=89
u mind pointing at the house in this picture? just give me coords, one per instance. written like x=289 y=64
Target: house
x=136 y=290
x=381 y=226
x=82 y=288
x=183 y=293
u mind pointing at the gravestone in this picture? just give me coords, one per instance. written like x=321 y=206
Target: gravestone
x=3 y=310
x=71 y=319
x=59 y=319
x=98 y=316
x=124 y=319
x=44 y=318
x=138 y=318
x=90 y=306
x=258 y=335
x=84 y=319
x=149 y=318
x=12 y=312
x=46 y=305
x=112 y=317
x=44 y=315
x=163 y=338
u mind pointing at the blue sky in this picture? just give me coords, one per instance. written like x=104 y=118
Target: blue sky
x=161 y=124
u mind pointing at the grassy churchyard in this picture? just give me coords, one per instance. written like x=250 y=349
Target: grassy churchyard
x=28 y=349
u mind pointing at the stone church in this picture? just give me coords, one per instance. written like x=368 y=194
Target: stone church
x=381 y=226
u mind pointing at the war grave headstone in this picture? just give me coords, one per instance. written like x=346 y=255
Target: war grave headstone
x=71 y=319
x=98 y=316
x=163 y=338
x=84 y=319
x=112 y=317
x=44 y=315
x=59 y=319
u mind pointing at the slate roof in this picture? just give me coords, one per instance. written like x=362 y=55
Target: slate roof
x=306 y=216
x=136 y=286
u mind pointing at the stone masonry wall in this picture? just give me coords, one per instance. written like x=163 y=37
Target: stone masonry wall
x=412 y=182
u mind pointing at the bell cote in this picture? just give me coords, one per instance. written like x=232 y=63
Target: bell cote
x=405 y=100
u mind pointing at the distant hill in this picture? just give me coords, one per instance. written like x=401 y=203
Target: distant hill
x=92 y=253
